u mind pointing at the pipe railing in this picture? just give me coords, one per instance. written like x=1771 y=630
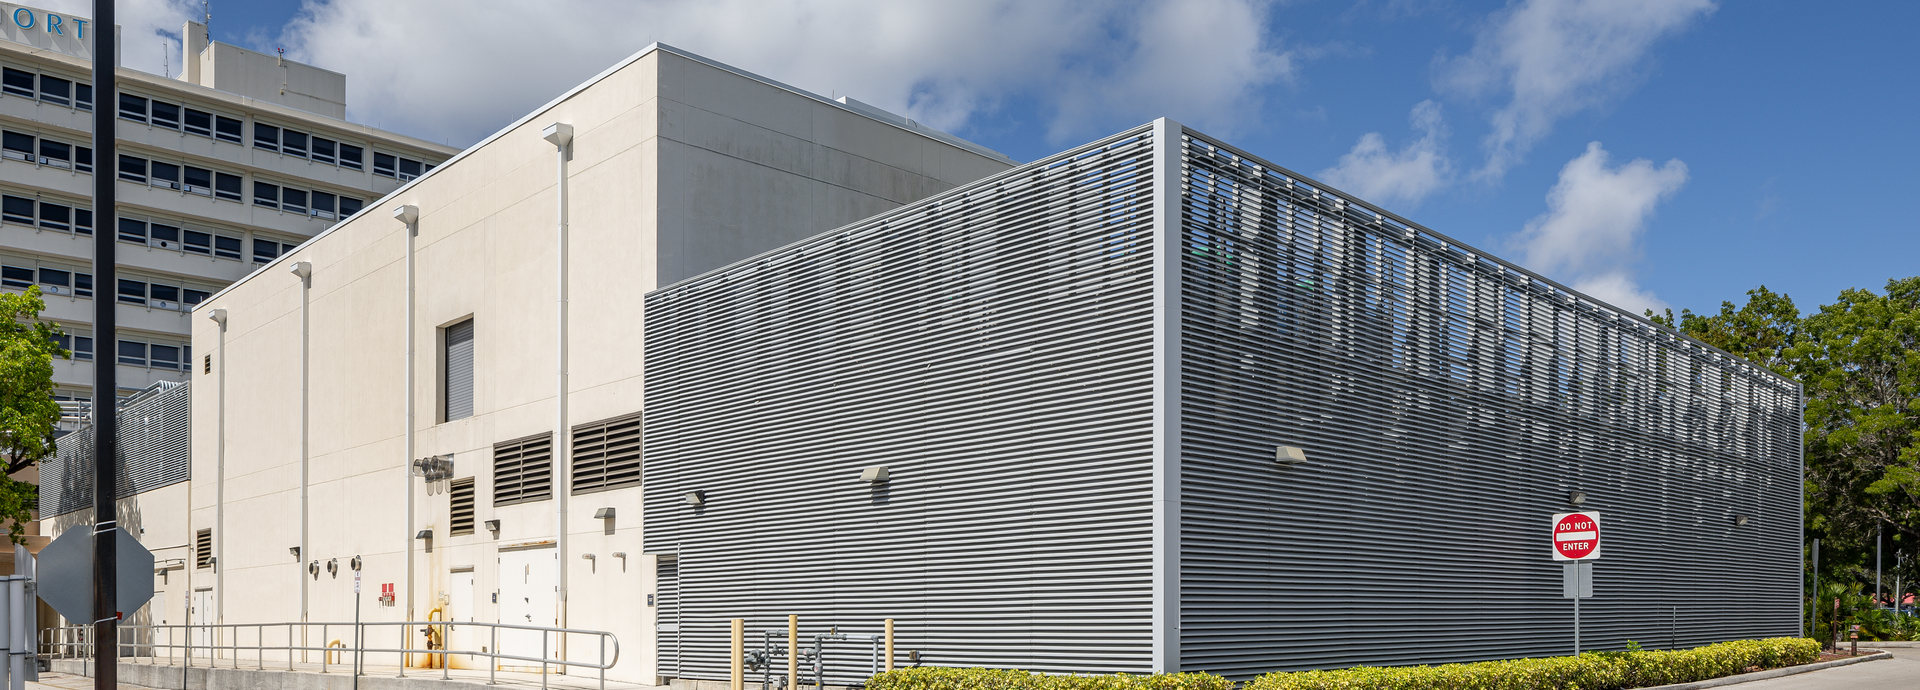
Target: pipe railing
x=148 y=642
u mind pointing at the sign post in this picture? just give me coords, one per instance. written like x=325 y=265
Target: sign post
x=1576 y=541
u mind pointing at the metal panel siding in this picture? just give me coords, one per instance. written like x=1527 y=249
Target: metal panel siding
x=155 y=451
x=992 y=347
x=1448 y=402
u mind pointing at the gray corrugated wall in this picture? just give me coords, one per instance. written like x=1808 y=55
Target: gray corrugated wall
x=156 y=429
x=992 y=348
x=1448 y=403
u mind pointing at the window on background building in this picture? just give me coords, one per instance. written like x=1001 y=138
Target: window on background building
x=18 y=209
x=266 y=137
x=163 y=236
x=133 y=292
x=17 y=82
x=56 y=90
x=133 y=169
x=350 y=156
x=349 y=206
x=606 y=454
x=265 y=194
x=83 y=159
x=456 y=379
x=134 y=231
x=197 y=242
x=409 y=168
x=460 y=507
x=165 y=175
x=293 y=143
x=265 y=251
x=293 y=200
x=198 y=122
x=226 y=129
x=55 y=281
x=133 y=354
x=133 y=107
x=323 y=150
x=225 y=247
x=383 y=164
x=323 y=205
x=197 y=180
x=17 y=146
x=164 y=357
x=55 y=216
x=166 y=115
x=83 y=96
x=16 y=277
x=58 y=154
x=83 y=285
x=523 y=470
x=226 y=186
x=82 y=348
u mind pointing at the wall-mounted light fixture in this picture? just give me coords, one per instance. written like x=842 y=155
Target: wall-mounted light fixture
x=424 y=534
x=587 y=556
x=1289 y=455
x=696 y=498
x=603 y=514
x=493 y=526
x=874 y=475
x=295 y=550
x=1739 y=521
x=1576 y=497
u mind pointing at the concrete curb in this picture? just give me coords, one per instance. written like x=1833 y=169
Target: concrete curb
x=1772 y=673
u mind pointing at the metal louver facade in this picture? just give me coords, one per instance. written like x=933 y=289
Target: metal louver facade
x=523 y=470
x=606 y=455
x=1076 y=373
x=155 y=451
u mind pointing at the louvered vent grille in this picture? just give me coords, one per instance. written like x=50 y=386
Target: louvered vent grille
x=155 y=451
x=992 y=347
x=1448 y=403
x=523 y=470
x=606 y=454
x=203 y=549
x=460 y=507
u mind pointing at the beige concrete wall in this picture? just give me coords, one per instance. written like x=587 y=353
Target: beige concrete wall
x=678 y=167
x=274 y=79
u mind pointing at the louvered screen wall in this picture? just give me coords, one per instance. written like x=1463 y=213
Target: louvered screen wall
x=155 y=451
x=523 y=470
x=1447 y=403
x=606 y=455
x=991 y=347
x=460 y=507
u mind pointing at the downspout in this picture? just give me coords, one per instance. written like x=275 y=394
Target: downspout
x=304 y=270
x=560 y=135
x=218 y=316
x=409 y=215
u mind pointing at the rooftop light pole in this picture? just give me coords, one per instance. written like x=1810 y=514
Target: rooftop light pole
x=106 y=422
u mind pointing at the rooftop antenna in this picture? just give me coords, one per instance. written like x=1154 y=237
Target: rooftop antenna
x=206 y=6
x=166 y=67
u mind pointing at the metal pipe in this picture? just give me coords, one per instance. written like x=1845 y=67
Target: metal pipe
x=106 y=418
x=409 y=216
x=560 y=134
x=304 y=271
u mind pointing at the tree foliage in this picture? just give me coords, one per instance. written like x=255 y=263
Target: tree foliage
x=28 y=413
x=1858 y=361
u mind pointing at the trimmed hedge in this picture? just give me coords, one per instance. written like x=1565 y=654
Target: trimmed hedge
x=940 y=678
x=1592 y=671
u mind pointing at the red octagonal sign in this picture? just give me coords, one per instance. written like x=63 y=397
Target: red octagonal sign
x=1576 y=536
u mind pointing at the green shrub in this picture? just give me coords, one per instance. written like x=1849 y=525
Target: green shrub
x=936 y=678
x=1591 y=671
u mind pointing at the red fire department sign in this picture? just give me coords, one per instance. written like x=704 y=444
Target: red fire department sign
x=1576 y=536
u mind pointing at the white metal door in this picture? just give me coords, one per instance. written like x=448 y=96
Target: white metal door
x=201 y=615
x=460 y=609
x=527 y=597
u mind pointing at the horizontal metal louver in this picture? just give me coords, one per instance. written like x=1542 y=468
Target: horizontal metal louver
x=460 y=507
x=991 y=347
x=156 y=432
x=523 y=470
x=203 y=549
x=606 y=454
x=1448 y=402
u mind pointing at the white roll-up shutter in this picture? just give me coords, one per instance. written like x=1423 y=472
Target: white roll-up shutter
x=458 y=382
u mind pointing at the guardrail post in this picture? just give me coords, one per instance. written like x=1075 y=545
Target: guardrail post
x=493 y=662
x=889 y=664
x=738 y=678
x=793 y=652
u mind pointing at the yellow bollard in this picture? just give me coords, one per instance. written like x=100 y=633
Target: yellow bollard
x=739 y=654
x=889 y=665
x=793 y=652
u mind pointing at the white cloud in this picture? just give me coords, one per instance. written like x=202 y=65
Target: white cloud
x=460 y=69
x=149 y=29
x=1379 y=175
x=1595 y=215
x=1556 y=58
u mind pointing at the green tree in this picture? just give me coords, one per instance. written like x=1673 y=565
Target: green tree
x=1761 y=331
x=28 y=413
x=1859 y=359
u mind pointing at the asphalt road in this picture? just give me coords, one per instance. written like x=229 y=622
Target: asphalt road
x=1902 y=672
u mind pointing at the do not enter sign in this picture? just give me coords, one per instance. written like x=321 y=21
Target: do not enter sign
x=1576 y=536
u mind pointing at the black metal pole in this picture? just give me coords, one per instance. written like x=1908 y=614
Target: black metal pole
x=106 y=421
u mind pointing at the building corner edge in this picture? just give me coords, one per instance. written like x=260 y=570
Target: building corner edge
x=1167 y=143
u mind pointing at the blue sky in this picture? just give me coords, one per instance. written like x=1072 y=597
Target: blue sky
x=1738 y=143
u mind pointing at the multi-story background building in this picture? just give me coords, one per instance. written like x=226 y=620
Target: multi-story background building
x=222 y=168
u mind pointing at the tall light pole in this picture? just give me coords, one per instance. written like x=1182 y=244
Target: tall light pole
x=106 y=420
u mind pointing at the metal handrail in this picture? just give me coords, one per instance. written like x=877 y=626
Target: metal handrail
x=72 y=642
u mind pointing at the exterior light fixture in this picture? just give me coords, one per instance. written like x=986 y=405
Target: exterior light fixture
x=492 y=525
x=1289 y=455
x=874 y=475
x=295 y=550
x=586 y=556
x=696 y=498
x=424 y=534
x=1576 y=497
x=1739 y=521
x=603 y=514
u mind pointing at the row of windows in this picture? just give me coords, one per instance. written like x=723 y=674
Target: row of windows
x=52 y=281
x=159 y=295
x=185 y=178
x=80 y=346
x=399 y=168
x=313 y=203
x=47 y=88
x=138 y=353
x=172 y=237
x=27 y=148
x=46 y=214
x=312 y=147
x=170 y=115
